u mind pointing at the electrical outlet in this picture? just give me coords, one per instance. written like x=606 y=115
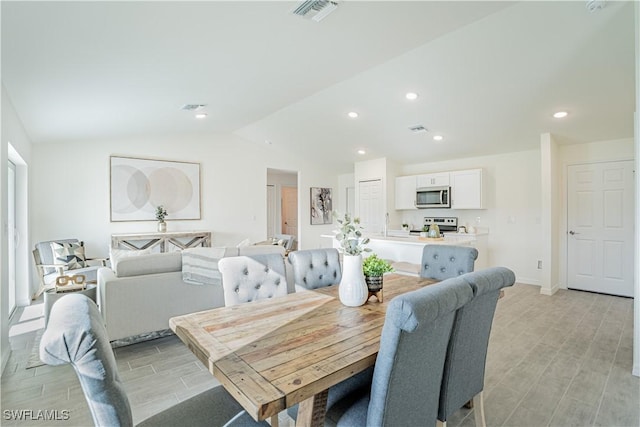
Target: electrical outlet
x=539 y=264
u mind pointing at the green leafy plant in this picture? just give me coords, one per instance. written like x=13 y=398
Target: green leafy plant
x=349 y=235
x=161 y=213
x=372 y=266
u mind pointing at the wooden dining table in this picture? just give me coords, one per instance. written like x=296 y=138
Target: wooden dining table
x=272 y=354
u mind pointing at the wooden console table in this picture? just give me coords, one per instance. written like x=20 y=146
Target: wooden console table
x=176 y=239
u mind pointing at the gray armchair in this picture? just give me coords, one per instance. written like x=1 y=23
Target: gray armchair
x=463 y=378
x=251 y=278
x=411 y=358
x=288 y=240
x=55 y=258
x=441 y=262
x=76 y=336
x=315 y=268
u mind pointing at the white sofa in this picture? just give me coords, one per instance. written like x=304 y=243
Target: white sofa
x=141 y=293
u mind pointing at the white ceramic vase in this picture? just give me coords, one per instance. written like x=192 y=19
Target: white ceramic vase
x=353 y=289
x=162 y=226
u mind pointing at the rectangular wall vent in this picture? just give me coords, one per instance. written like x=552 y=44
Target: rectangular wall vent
x=315 y=9
x=192 y=107
x=418 y=129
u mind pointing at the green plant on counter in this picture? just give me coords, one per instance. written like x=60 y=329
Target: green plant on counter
x=349 y=234
x=372 y=266
x=161 y=213
x=425 y=228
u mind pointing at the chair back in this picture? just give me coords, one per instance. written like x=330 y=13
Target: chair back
x=441 y=262
x=463 y=376
x=287 y=238
x=251 y=278
x=413 y=345
x=75 y=334
x=315 y=268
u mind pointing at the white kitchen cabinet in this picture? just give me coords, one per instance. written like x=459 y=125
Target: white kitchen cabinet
x=467 y=189
x=440 y=179
x=406 y=192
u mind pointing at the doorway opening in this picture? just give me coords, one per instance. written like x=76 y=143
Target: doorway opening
x=282 y=204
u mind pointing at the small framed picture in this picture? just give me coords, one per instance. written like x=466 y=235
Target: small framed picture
x=321 y=206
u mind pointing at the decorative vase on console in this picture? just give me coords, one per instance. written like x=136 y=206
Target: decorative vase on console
x=161 y=214
x=353 y=291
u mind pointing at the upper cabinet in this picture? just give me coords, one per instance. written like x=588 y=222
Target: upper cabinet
x=466 y=189
x=406 y=192
x=440 y=179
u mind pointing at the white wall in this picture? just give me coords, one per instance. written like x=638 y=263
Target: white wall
x=12 y=132
x=513 y=208
x=70 y=188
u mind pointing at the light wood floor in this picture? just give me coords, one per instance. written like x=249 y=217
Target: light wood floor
x=563 y=360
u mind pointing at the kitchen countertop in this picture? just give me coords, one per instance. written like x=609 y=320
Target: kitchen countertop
x=415 y=240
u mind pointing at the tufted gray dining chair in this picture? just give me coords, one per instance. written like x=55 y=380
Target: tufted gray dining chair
x=463 y=378
x=252 y=278
x=441 y=262
x=412 y=351
x=76 y=335
x=315 y=268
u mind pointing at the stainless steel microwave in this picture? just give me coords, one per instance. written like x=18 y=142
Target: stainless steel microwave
x=433 y=197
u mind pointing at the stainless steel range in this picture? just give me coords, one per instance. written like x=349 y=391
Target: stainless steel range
x=446 y=224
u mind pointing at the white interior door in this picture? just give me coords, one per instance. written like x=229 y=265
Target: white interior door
x=271 y=210
x=371 y=206
x=290 y=211
x=600 y=224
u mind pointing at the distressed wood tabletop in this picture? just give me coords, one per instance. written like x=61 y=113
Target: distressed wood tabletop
x=272 y=354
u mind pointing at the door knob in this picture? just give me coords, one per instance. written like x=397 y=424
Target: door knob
x=573 y=232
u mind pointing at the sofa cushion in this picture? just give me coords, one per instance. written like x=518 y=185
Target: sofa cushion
x=261 y=249
x=68 y=254
x=116 y=255
x=149 y=264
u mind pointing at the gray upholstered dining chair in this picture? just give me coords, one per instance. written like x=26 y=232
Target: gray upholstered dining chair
x=463 y=378
x=408 y=370
x=251 y=278
x=441 y=262
x=76 y=335
x=315 y=268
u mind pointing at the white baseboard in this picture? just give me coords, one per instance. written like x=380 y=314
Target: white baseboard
x=549 y=292
x=528 y=281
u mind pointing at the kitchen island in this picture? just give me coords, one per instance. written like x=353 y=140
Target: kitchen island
x=403 y=249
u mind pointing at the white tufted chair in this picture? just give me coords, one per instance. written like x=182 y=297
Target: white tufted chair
x=315 y=268
x=246 y=279
x=441 y=262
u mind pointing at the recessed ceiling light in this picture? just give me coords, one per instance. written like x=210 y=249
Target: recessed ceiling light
x=411 y=96
x=201 y=115
x=438 y=137
x=362 y=152
x=353 y=114
x=560 y=114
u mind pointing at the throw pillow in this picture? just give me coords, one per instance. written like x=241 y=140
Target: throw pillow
x=69 y=255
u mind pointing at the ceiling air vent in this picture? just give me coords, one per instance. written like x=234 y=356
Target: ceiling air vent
x=192 y=107
x=316 y=10
x=418 y=129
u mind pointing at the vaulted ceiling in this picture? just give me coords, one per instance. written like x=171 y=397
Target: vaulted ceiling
x=489 y=75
